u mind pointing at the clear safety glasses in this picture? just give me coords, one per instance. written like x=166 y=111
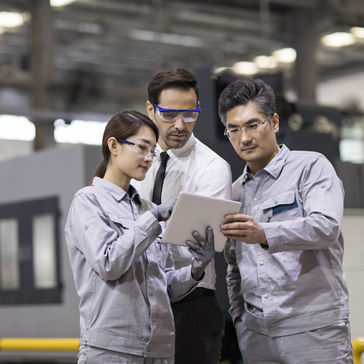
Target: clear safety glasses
x=144 y=149
x=249 y=128
x=171 y=115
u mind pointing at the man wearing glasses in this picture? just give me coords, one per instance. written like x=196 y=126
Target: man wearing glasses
x=287 y=292
x=186 y=164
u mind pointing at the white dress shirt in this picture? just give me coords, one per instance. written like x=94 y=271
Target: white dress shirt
x=194 y=168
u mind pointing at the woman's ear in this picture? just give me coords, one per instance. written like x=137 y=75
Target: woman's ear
x=113 y=146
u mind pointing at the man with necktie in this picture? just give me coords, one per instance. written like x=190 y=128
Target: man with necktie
x=186 y=164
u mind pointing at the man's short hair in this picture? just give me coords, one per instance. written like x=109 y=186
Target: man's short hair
x=177 y=78
x=240 y=92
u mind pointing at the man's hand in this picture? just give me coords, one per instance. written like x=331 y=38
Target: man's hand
x=243 y=227
x=202 y=250
x=163 y=211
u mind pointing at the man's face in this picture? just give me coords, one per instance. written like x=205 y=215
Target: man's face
x=256 y=146
x=176 y=134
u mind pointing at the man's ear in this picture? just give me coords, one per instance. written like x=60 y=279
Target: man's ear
x=150 y=109
x=113 y=145
x=275 y=122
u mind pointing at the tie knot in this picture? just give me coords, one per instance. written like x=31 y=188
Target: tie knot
x=164 y=157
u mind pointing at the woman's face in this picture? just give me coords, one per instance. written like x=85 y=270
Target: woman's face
x=131 y=161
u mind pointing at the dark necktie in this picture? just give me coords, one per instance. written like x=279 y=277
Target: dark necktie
x=159 y=179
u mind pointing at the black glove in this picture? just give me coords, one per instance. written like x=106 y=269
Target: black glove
x=163 y=211
x=202 y=250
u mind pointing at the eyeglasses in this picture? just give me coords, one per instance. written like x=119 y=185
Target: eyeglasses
x=171 y=115
x=143 y=148
x=249 y=128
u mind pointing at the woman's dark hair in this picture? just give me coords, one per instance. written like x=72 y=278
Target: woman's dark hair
x=177 y=78
x=122 y=125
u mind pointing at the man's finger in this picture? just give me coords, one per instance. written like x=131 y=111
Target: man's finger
x=237 y=217
x=235 y=226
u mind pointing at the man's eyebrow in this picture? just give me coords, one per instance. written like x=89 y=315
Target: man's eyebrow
x=252 y=120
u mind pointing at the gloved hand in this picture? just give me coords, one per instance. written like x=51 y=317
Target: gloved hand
x=202 y=250
x=163 y=211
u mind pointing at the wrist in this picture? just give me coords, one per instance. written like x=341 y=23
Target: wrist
x=197 y=275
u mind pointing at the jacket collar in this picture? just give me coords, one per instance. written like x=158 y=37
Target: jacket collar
x=274 y=167
x=117 y=192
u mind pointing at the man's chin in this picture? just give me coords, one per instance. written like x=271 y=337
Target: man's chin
x=177 y=143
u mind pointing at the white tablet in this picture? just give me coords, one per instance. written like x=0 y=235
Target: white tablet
x=195 y=213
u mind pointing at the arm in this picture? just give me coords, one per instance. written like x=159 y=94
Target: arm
x=202 y=250
x=322 y=200
x=233 y=282
x=179 y=281
x=215 y=180
x=109 y=253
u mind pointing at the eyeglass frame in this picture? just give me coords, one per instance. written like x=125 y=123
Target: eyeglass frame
x=162 y=109
x=244 y=127
x=152 y=152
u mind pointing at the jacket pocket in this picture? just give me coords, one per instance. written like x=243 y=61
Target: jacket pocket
x=120 y=223
x=281 y=207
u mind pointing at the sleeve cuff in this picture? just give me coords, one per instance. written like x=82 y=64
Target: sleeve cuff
x=273 y=233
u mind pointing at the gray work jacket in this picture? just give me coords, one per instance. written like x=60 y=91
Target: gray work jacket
x=124 y=276
x=296 y=283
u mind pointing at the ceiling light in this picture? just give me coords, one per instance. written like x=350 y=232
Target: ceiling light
x=357 y=32
x=265 y=62
x=245 y=68
x=57 y=3
x=10 y=19
x=79 y=131
x=16 y=128
x=285 y=55
x=338 y=39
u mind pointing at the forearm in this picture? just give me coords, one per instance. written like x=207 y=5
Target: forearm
x=181 y=283
x=308 y=233
x=236 y=300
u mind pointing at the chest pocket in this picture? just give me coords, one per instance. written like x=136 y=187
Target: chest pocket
x=281 y=207
x=120 y=224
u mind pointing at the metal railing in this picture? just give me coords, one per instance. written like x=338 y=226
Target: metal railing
x=71 y=344
x=40 y=344
x=358 y=349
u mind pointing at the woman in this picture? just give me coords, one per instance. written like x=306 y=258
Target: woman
x=121 y=270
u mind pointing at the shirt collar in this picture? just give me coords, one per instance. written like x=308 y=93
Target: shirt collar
x=274 y=167
x=117 y=192
x=246 y=175
x=179 y=152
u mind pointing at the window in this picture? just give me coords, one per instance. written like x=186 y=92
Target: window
x=29 y=252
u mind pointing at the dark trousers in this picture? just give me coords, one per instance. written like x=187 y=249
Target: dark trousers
x=199 y=328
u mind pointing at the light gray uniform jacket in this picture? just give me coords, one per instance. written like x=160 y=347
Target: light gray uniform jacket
x=296 y=283
x=124 y=276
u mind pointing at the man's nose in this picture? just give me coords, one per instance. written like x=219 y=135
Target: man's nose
x=245 y=138
x=179 y=123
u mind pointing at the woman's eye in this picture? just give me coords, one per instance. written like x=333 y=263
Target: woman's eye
x=143 y=148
